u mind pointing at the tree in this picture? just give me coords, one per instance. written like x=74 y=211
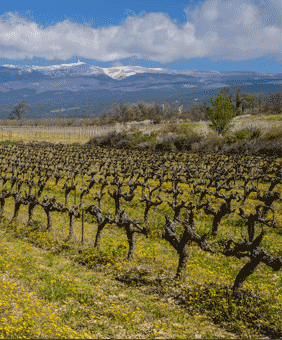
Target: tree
x=121 y=110
x=238 y=106
x=221 y=115
x=248 y=101
x=225 y=92
x=260 y=99
x=19 y=110
x=274 y=101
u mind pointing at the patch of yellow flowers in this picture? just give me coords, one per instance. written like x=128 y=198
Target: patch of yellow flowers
x=23 y=315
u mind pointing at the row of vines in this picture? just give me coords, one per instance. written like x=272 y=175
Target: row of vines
x=210 y=179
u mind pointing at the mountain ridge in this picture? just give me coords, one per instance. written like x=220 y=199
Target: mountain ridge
x=80 y=85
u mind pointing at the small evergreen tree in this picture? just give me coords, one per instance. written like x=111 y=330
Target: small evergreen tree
x=221 y=115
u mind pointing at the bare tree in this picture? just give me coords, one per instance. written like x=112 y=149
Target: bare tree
x=121 y=110
x=18 y=110
x=239 y=100
x=275 y=102
x=259 y=100
x=253 y=100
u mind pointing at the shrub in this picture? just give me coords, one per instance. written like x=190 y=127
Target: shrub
x=260 y=147
x=178 y=129
x=167 y=144
x=246 y=133
x=157 y=120
x=208 y=145
x=274 y=133
x=148 y=145
x=186 y=143
x=106 y=140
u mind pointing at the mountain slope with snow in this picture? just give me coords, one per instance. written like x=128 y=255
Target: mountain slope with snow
x=80 y=68
x=91 y=87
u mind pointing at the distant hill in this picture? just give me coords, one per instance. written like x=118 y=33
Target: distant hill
x=83 y=90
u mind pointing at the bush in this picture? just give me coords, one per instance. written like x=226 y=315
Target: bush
x=260 y=147
x=106 y=140
x=246 y=133
x=167 y=144
x=209 y=145
x=274 y=133
x=179 y=129
x=157 y=120
x=186 y=143
x=148 y=145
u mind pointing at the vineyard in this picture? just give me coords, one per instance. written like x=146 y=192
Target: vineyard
x=199 y=232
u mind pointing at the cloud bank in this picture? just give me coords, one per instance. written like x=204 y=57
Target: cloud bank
x=219 y=30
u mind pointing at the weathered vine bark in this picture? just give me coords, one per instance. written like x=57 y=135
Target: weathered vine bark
x=149 y=204
x=17 y=209
x=96 y=211
x=258 y=255
x=117 y=194
x=183 y=259
x=72 y=218
x=99 y=231
x=131 y=241
x=3 y=195
x=250 y=248
x=98 y=237
x=180 y=245
x=73 y=212
x=268 y=198
x=2 y=202
x=68 y=189
x=49 y=220
x=18 y=203
x=46 y=205
x=224 y=209
x=123 y=221
x=30 y=213
x=49 y=205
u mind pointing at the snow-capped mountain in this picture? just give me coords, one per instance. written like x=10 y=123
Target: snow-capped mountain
x=80 y=68
x=81 y=88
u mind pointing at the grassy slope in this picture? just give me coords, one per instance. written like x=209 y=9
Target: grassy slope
x=86 y=301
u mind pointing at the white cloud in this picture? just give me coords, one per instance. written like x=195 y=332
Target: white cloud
x=219 y=30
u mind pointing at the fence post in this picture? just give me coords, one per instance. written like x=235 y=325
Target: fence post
x=82 y=227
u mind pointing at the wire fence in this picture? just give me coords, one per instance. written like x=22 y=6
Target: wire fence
x=52 y=133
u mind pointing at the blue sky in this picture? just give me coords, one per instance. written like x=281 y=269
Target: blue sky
x=241 y=35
